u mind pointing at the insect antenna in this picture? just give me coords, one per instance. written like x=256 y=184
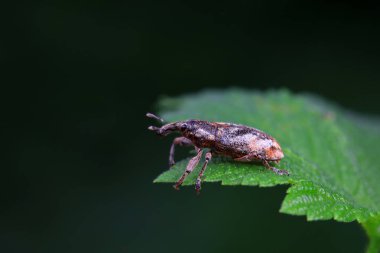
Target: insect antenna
x=152 y=116
x=155 y=129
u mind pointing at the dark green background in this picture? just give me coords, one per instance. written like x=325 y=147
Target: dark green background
x=78 y=77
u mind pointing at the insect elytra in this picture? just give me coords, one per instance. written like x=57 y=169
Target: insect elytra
x=241 y=143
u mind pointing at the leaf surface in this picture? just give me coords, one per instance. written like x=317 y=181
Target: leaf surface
x=330 y=153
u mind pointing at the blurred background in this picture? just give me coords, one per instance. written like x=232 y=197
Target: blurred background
x=78 y=76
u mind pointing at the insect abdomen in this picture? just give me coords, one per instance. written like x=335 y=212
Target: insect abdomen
x=236 y=140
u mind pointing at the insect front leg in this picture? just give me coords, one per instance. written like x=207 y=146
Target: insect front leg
x=190 y=167
x=199 y=179
x=177 y=141
x=274 y=169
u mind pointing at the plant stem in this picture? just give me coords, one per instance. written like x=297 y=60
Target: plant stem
x=372 y=228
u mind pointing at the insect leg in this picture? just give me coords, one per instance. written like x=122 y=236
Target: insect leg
x=199 y=179
x=256 y=157
x=190 y=167
x=177 y=141
x=275 y=170
x=249 y=158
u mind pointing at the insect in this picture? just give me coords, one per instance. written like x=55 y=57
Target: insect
x=241 y=143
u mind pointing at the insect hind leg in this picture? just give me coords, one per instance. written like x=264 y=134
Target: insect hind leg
x=274 y=169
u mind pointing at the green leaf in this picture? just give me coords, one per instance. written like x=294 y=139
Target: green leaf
x=330 y=153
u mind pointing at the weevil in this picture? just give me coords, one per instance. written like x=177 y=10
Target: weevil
x=241 y=143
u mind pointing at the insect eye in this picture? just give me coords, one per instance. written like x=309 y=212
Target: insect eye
x=183 y=126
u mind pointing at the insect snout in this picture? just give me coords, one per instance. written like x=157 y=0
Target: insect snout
x=157 y=130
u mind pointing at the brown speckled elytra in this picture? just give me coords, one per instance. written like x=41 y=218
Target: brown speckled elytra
x=241 y=143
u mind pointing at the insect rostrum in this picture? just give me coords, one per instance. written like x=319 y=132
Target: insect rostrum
x=241 y=143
